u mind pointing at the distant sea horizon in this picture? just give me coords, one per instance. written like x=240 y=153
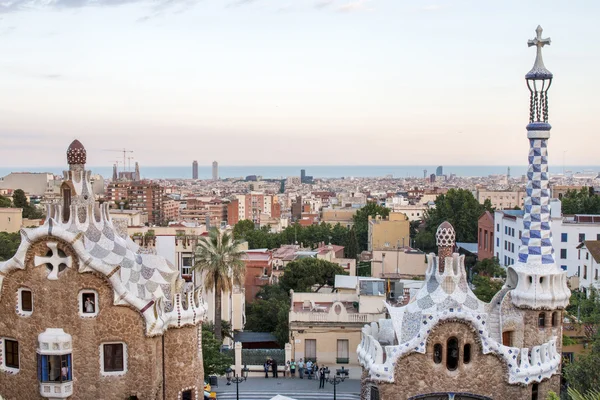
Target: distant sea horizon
x=316 y=171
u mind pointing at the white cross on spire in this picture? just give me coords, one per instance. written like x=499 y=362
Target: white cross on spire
x=539 y=70
x=538 y=40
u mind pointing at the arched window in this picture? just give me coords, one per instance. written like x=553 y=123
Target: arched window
x=467 y=353
x=534 y=391
x=437 y=353
x=452 y=354
x=542 y=320
x=555 y=315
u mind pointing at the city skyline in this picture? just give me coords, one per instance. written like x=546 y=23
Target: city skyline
x=424 y=82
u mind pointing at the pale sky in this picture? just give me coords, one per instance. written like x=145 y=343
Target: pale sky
x=293 y=82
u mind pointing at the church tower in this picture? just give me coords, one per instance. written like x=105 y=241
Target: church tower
x=539 y=283
x=445 y=343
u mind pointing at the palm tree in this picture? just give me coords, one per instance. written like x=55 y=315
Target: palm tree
x=220 y=261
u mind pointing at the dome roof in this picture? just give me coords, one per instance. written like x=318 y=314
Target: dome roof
x=76 y=153
x=445 y=235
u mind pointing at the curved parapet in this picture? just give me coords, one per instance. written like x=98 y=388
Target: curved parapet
x=537 y=288
x=524 y=366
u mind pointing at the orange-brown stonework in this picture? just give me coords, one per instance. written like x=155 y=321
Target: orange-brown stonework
x=56 y=305
x=484 y=375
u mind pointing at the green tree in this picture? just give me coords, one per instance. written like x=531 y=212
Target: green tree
x=487 y=206
x=215 y=362
x=486 y=287
x=303 y=274
x=241 y=229
x=351 y=249
x=269 y=312
x=583 y=201
x=220 y=260
x=583 y=374
x=461 y=209
x=19 y=199
x=425 y=241
x=489 y=267
x=361 y=222
x=363 y=268
x=5 y=202
x=9 y=243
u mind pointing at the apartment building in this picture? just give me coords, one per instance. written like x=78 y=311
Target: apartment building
x=251 y=206
x=205 y=209
x=589 y=268
x=325 y=327
x=503 y=199
x=143 y=196
x=342 y=216
x=390 y=232
x=259 y=272
x=11 y=219
x=485 y=236
x=568 y=232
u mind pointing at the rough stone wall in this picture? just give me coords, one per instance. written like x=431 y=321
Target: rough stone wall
x=534 y=335
x=484 y=375
x=512 y=320
x=56 y=305
x=184 y=368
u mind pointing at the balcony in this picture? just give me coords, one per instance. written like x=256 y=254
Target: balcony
x=56 y=390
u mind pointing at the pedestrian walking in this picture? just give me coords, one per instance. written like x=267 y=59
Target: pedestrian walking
x=274 y=366
x=293 y=368
x=301 y=369
x=322 y=377
x=266 y=367
x=286 y=370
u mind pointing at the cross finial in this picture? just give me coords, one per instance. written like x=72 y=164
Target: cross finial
x=538 y=71
x=538 y=40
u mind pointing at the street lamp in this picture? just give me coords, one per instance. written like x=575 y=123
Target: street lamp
x=236 y=379
x=339 y=377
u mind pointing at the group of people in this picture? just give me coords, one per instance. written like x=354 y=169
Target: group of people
x=309 y=369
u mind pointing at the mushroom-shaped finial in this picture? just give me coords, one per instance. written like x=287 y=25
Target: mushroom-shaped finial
x=76 y=153
x=445 y=235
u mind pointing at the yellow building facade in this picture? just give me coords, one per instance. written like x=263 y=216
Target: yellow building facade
x=392 y=232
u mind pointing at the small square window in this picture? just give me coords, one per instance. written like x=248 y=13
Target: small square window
x=581 y=237
x=563 y=267
x=113 y=358
x=88 y=303
x=563 y=237
x=563 y=254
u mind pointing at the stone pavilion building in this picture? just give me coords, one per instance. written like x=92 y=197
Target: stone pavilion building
x=85 y=315
x=447 y=344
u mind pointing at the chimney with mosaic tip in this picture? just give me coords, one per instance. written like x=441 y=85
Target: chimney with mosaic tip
x=78 y=199
x=445 y=239
x=76 y=154
x=537 y=281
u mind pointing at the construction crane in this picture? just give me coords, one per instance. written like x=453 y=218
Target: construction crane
x=124 y=151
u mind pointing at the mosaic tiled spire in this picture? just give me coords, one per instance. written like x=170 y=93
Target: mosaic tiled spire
x=536 y=240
